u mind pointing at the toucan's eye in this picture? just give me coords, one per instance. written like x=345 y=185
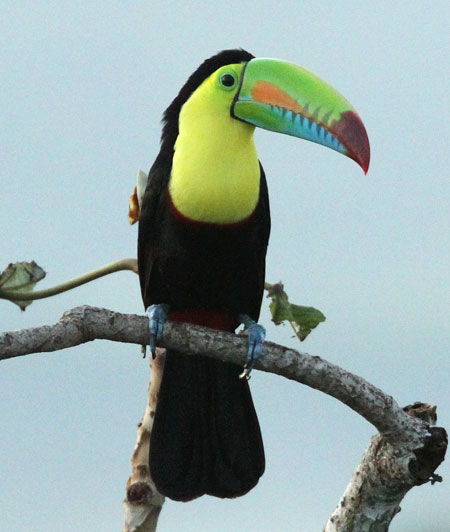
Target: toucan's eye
x=227 y=80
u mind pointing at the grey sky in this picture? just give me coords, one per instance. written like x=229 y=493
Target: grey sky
x=83 y=89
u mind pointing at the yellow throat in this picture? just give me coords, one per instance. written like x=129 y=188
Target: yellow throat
x=215 y=171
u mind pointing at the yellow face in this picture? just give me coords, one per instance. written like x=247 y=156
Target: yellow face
x=217 y=91
x=215 y=171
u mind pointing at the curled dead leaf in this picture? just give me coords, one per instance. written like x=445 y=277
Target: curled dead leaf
x=20 y=277
x=136 y=197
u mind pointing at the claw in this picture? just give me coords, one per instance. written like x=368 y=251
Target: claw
x=157 y=315
x=256 y=336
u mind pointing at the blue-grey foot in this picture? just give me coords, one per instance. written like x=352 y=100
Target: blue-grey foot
x=256 y=335
x=157 y=315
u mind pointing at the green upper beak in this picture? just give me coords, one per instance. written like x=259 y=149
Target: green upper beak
x=286 y=98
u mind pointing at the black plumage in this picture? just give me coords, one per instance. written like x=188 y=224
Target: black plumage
x=206 y=437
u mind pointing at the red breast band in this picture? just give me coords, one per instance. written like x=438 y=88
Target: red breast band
x=221 y=320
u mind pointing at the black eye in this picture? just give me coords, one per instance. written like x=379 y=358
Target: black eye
x=227 y=80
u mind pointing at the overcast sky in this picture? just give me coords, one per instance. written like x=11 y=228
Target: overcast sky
x=84 y=85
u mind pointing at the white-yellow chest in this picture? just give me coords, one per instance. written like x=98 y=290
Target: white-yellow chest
x=215 y=172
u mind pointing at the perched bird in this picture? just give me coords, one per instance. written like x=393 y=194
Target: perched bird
x=203 y=232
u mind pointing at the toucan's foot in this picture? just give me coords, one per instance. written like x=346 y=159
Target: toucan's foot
x=256 y=336
x=157 y=315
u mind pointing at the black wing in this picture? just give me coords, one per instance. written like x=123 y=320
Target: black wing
x=150 y=216
x=262 y=216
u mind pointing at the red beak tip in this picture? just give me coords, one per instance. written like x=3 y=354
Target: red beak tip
x=365 y=165
x=351 y=132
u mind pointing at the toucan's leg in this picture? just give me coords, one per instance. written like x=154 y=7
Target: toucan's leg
x=157 y=315
x=256 y=336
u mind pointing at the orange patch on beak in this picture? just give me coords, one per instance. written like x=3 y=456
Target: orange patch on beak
x=265 y=92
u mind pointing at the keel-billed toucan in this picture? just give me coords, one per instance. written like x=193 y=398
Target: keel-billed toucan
x=203 y=232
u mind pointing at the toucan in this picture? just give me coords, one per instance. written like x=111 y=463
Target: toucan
x=204 y=227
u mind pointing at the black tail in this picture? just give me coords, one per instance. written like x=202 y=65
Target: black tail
x=206 y=437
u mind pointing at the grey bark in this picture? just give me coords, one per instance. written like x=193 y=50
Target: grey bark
x=404 y=454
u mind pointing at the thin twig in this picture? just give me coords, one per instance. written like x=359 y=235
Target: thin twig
x=124 y=264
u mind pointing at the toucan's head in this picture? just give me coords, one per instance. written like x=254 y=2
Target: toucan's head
x=274 y=95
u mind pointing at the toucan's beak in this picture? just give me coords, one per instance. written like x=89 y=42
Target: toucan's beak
x=286 y=98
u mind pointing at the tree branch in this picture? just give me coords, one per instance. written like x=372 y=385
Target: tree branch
x=143 y=502
x=403 y=455
x=84 y=324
